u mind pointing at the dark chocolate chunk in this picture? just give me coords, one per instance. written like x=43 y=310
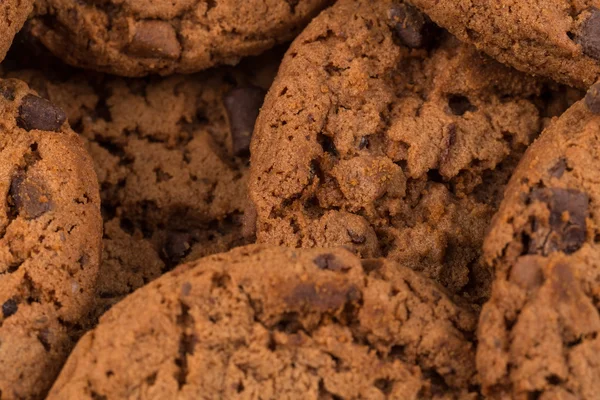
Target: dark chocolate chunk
x=589 y=36
x=8 y=92
x=558 y=169
x=357 y=238
x=592 y=99
x=38 y=113
x=177 y=246
x=242 y=106
x=565 y=229
x=9 y=308
x=329 y=262
x=29 y=196
x=412 y=28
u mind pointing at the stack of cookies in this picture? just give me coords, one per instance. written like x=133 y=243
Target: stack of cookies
x=300 y=199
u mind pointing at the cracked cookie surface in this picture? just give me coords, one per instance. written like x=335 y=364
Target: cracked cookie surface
x=538 y=335
x=559 y=39
x=141 y=37
x=276 y=323
x=171 y=156
x=387 y=135
x=50 y=240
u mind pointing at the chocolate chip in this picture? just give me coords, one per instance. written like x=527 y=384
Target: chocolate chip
x=9 y=308
x=558 y=169
x=460 y=104
x=44 y=338
x=29 y=196
x=321 y=297
x=589 y=36
x=592 y=99
x=412 y=28
x=38 y=113
x=356 y=238
x=154 y=39
x=8 y=92
x=242 y=106
x=177 y=246
x=372 y=264
x=566 y=228
x=329 y=262
x=186 y=288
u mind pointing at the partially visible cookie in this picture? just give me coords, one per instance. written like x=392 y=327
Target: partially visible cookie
x=538 y=335
x=142 y=37
x=13 y=14
x=171 y=156
x=50 y=240
x=558 y=39
x=276 y=323
x=392 y=139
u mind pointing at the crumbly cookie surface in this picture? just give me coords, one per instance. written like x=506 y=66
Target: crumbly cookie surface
x=50 y=240
x=559 y=39
x=141 y=37
x=171 y=156
x=385 y=134
x=538 y=335
x=278 y=323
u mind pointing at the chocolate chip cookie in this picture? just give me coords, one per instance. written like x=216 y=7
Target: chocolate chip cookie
x=171 y=156
x=559 y=39
x=278 y=323
x=392 y=139
x=538 y=335
x=141 y=37
x=50 y=240
x=13 y=14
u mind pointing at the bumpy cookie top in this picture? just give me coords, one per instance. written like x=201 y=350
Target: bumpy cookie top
x=13 y=14
x=538 y=335
x=559 y=39
x=389 y=137
x=172 y=158
x=50 y=239
x=278 y=323
x=140 y=37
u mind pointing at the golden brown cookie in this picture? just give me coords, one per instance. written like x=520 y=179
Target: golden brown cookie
x=559 y=39
x=390 y=140
x=50 y=240
x=171 y=156
x=275 y=323
x=141 y=37
x=538 y=335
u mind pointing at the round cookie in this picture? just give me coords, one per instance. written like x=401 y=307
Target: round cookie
x=538 y=334
x=171 y=156
x=277 y=323
x=391 y=140
x=13 y=14
x=141 y=37
x=558 y=39
x=50 y=240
